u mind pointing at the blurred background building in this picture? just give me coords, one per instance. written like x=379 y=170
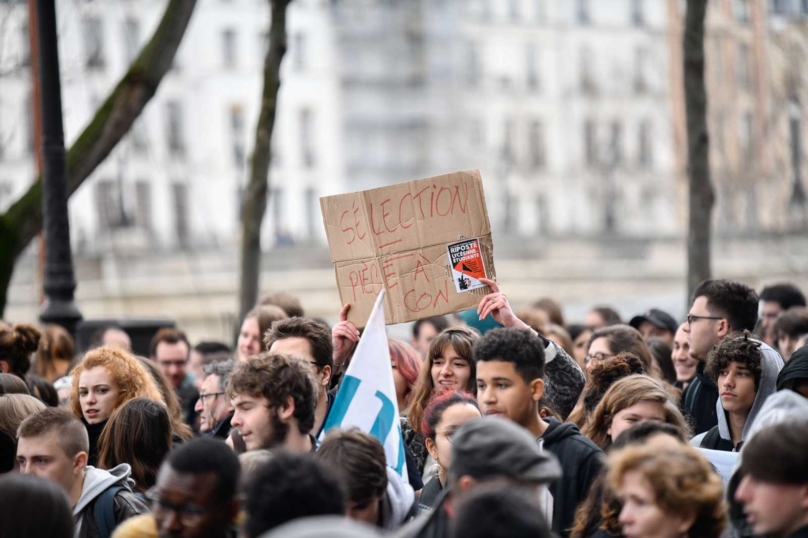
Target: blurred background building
x=572 y=109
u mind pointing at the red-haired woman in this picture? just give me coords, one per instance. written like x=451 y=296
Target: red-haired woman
x=406 y=366
x=446 y=412
x=104 y=380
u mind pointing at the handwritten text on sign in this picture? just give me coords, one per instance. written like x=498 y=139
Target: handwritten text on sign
x=395 y=238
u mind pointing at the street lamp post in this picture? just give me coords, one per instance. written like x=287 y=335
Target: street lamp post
x=59 y=282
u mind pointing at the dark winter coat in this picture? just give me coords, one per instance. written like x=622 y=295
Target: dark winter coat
x=581 y=463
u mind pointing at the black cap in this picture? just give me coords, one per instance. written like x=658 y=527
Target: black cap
x=656 y=317
x=493 y=446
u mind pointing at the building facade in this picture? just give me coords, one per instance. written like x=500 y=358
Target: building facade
x=572 y=109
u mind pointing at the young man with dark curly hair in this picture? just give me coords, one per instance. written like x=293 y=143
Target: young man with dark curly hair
x=274 y=397
x=510 y=383
x=746 y=375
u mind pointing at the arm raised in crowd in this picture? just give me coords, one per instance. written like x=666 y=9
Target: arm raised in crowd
x=565 y=380
x=344 y=336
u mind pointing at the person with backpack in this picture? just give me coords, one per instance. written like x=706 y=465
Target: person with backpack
x=53 y=444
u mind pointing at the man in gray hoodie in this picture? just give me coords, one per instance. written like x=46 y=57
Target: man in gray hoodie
x=53 y=444
x=745 y=371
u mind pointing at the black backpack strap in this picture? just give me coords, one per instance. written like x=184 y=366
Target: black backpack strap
x=710 y=439
x=104 y=511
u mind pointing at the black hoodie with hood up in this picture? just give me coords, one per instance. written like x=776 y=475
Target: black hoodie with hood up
x=581 y=463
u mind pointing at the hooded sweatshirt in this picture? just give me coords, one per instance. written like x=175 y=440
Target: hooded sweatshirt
x=398 y=505
x=795 y=369
x=97 y=481
x=581 y=464
x=771 y=365
x=780 y=407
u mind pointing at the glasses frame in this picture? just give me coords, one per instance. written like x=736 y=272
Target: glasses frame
x=190 y=515
x=589 y=358
x=214 y=394
x=691 y=318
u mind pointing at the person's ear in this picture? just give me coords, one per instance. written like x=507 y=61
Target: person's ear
x=79 y=463
x=4 y=368
x=723 y=328
x=537 y=389
x=432 y=448
x=803 y=497
x=685 y=522
x=326 y=373
x=286 y=411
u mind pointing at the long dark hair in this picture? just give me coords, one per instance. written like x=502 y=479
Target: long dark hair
x=138 y=433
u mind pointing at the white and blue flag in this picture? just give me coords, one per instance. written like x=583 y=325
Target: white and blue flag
x=367 y=396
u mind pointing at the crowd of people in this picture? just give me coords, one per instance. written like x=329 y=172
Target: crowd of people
x=513 y=424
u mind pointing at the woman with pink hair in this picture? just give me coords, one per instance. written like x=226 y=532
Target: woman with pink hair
x=406 y=366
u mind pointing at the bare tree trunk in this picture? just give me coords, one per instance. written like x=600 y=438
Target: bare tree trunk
x=702 y=196
x=256 y=193
x=23 y=220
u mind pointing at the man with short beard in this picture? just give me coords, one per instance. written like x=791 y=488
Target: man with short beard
x=274 y=397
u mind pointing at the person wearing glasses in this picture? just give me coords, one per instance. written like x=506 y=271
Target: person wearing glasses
x=215 y=411
x=719 y=308
x=446 y=412
x=53 y=444
x=195 y=495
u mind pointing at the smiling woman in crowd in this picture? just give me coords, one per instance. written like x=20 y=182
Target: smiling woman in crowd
x=449 y=365
x=106 y=378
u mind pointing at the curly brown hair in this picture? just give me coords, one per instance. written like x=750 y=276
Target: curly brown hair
x=131 y=377
x=603 y=375
x=738 y=347
x=277 y=378
x=682 y=480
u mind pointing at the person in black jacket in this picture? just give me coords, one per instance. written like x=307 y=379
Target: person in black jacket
x=719 y=308
x=794 y=375
x=510 y=371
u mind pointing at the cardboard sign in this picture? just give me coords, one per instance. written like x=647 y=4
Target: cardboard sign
x=401 y=239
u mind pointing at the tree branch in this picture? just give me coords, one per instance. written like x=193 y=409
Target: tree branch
x=23 y=220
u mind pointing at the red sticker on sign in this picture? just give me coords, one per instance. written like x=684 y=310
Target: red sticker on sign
x=467 y=265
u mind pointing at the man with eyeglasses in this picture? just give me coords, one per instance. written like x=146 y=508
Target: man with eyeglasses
x=309 y=340
x=719 y=308
x=215 y=411
x=195 y=494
